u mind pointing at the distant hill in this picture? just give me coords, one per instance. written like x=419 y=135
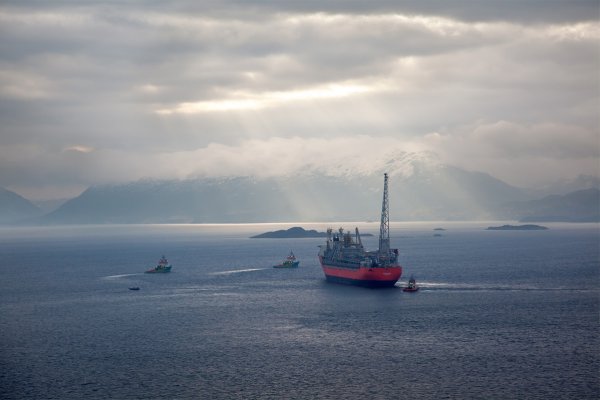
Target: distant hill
x=449 y=193
x=528 y=227
x=49 y=205
x=566 y=186
x=295 y=233
x=578 y=206
x=14 y=207
x=419 y=190
x=292 y=233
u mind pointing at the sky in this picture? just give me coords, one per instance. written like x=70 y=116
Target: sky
x=116 y=91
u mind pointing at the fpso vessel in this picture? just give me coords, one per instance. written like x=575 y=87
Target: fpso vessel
x=345 y=260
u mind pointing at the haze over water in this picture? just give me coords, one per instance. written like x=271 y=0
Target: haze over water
x=499 y=315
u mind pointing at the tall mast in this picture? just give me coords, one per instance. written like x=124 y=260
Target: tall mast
x=384 y=227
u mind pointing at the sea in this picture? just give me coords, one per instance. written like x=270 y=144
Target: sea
x=500 y=315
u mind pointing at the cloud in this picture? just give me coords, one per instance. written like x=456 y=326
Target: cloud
x=527 y=155
x=23 y=85
x=90 y=93
x=80 y=149
x=507 y=140
x=255 y=157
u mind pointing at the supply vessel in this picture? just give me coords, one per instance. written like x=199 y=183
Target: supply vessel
x=412 y=285
x=345 y=260
x=289 y=262
x=162 y=267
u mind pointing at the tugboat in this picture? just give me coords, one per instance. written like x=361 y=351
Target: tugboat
x=412 y=285
x=289 y=262
x=162 y=267
x=345 y=260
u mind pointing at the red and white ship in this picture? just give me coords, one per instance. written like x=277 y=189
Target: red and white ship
x=344 y=259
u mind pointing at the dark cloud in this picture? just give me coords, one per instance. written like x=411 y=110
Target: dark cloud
x=468 y=10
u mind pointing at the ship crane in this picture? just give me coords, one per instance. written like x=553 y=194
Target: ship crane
x=358 y=239
x=384 y=227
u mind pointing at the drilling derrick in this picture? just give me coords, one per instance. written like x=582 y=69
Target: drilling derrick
x=384 y=227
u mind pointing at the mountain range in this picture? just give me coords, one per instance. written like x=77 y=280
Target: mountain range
x=578 y=206
x=418 y=190
x=14 y=207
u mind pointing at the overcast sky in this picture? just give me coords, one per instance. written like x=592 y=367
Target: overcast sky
x=116 y=91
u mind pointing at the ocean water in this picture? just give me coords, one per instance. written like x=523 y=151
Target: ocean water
x=500 y=315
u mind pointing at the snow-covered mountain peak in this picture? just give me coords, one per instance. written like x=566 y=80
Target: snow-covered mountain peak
x=372 y=163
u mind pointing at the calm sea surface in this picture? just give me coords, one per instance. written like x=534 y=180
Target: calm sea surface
x=501 y=315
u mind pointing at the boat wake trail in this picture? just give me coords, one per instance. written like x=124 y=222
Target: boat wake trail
x=446 y=286
x=119 y=276
x=237 y=271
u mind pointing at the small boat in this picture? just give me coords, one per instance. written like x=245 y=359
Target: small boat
x=134 y=288
x=162 y=267
x=412 y=285
x=289 y=262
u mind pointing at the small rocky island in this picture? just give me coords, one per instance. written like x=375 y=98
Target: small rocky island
x=294 y=233
x=528 y=227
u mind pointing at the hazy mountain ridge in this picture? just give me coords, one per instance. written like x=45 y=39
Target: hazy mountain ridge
x=14 y=207
x=47 y=206
x=579 y=206
x=420 y=188
x=565 y=186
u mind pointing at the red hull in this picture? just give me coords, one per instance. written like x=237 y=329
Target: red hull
x=363 y=276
